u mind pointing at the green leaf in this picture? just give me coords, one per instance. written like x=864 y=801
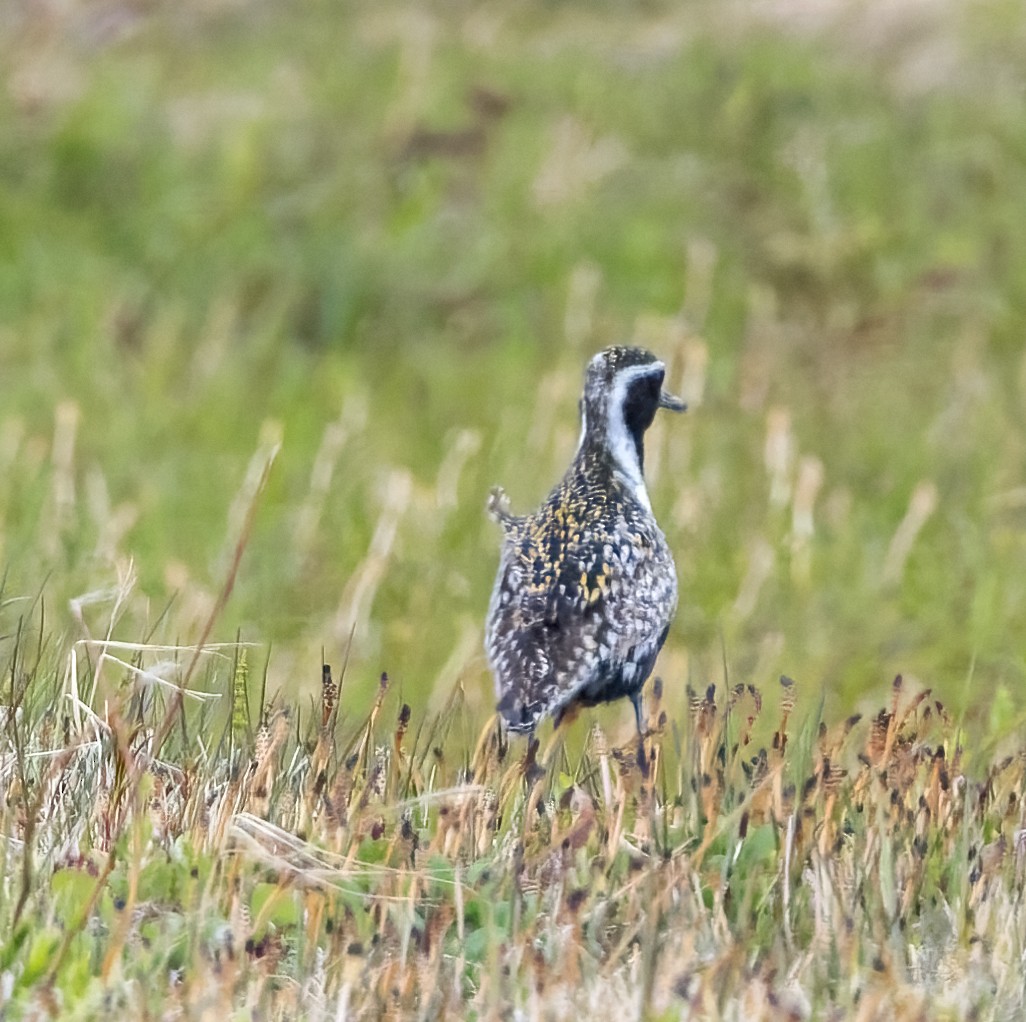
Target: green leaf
x=41 y=953
x=281 y=905
x=13 y=945
x=72 y=889
x=160 y=881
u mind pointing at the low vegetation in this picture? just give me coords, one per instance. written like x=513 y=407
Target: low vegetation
x=285 y=290
x=173 y=855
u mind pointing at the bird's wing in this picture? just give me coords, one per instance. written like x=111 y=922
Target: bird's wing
x=566 y=609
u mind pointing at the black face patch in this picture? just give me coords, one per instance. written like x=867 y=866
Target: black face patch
x=639 y=408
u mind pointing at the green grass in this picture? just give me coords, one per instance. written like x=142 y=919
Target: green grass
x=373 y=249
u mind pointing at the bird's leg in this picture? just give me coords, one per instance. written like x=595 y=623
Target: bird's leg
x=642 y=758
x=534 y=778
x=562 y=719
x=532 y=771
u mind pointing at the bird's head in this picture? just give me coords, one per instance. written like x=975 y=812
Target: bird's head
x=623 y=390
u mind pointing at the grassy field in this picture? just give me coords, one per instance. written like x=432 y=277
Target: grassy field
x=285 y=291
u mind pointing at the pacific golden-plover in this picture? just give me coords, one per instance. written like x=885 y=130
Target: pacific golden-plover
x=586 y=587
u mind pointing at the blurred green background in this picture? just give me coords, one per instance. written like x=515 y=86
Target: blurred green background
x=389 y=237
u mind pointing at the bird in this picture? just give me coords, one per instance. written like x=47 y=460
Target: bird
x=586 y=587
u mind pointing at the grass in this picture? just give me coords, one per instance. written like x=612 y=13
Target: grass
x=285 y=292
x=181 y=855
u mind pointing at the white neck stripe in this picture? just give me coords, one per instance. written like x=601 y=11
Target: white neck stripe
x=621 y=443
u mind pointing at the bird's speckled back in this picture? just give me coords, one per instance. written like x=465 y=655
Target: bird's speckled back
x=586 y=586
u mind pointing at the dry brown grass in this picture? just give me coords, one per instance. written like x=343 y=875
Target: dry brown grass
x=323 y=865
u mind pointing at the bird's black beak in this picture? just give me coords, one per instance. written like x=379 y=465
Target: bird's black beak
x=671 y=402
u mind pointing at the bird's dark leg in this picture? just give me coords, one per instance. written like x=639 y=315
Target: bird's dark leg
x=642 y=758
x=561 y=719
x=532 y=771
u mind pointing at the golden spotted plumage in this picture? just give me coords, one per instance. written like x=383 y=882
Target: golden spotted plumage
x=586 y=586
